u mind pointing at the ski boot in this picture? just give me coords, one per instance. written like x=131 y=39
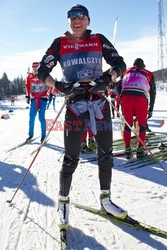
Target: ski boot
x=148 y=130
x=91 y=143
x=63 y=212
x=128 y=152
x=86 y=150
x=29 y=138
x=107 y=206
x=162 y=146
x=42 y=139
x=140 y=153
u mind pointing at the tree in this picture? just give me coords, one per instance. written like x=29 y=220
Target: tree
x=19 y=84
x=15 y=87
x=4 y=85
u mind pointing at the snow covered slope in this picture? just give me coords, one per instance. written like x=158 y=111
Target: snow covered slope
x=30 y=223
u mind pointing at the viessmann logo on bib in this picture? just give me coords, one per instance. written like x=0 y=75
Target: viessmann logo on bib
x=77 y=46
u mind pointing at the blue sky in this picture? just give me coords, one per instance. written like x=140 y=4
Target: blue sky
x=28 y=27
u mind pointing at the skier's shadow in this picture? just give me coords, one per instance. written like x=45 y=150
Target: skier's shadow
x=142 y=236
x=54 y=147
x=10 y=177
x=78 y=240
x=152 y=173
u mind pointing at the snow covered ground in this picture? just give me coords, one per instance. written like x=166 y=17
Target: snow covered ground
x=31 y=222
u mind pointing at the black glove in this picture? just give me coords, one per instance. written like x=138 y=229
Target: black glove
x=27 y=99
x=102 y=84
x=149 y=114
x=70 y=90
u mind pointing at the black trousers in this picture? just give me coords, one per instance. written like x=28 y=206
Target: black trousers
x=73 y=133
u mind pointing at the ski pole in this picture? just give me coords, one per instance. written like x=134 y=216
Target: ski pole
x=61 y=156
x=27 y=171
x=143 y=143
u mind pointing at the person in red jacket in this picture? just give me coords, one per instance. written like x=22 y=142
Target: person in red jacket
x=137 y=84
x=36 y=94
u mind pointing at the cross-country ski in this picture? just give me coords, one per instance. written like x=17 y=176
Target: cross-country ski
x=129 y=221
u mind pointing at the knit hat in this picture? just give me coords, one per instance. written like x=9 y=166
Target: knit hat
x=139 y=63
x=78 y=8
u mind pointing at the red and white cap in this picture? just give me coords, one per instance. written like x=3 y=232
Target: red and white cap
x=35 y=64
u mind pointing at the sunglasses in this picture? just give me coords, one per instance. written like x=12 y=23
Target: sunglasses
x=80 y=16
x=73 y=14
